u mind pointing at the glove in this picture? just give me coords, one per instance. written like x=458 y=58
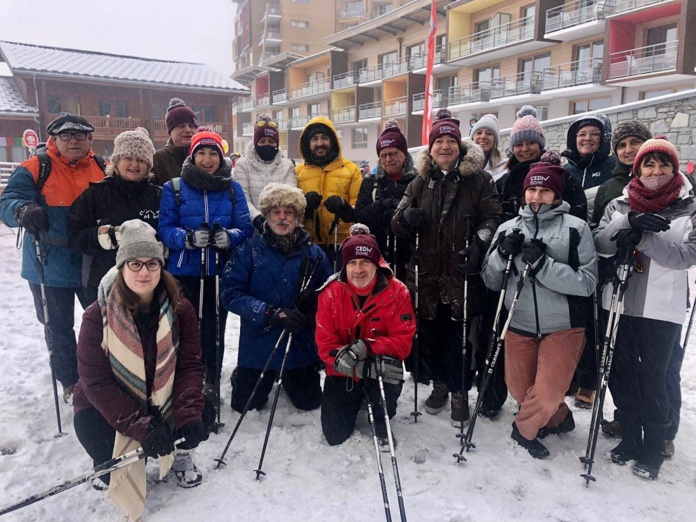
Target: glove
x=158 y=441
x=306 y=302
x=194 y=432
x=199 y=238
x=348 y=358
x=533 y=251
x=627 y=238
x=470 y=258
x=221 y=239
x=414 y=217
x=390 y=203
x=313 y=200
x=390 y=369
x=258 y=223
x=647 y=222
x=108 y=237
x=511 y=244
x=33 y=218
x=340 y=207
x=292 y=320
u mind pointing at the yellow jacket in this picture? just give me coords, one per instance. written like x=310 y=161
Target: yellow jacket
x=341 y=177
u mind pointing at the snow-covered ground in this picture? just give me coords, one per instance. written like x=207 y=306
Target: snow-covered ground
x=309 y=480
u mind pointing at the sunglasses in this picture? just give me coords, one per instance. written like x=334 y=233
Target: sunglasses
x=262 y=123
x=136 y=266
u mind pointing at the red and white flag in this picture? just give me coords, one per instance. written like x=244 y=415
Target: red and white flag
x=428 y=107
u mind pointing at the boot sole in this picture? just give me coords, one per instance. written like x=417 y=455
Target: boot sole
x=434 y=411
x=458 y=424
x=645 y=475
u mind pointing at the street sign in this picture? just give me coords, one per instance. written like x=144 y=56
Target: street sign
x=31 y=139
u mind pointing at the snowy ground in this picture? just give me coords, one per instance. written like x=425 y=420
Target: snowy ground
x=308 y=480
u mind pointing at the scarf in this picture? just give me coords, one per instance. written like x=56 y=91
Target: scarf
x=642 y=199
x=283 y=243
x=220 y=180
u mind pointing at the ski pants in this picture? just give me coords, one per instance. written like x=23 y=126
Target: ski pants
x=673 y=383
x=301 y=384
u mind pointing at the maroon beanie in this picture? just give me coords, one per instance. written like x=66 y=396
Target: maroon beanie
x=547 y=173
x=265 y=130
x=445 y=125
x=178 y=113
x=392 y=137
x=360 y=244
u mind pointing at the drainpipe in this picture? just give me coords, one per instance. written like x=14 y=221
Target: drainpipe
x=37 y=119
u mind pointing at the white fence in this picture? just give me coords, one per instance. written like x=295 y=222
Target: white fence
x=6 y=169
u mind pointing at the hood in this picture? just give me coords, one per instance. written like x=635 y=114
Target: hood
x=471 y=159
x=599 y=120
x=250 y=155
x=303 y=145
x=409 y=171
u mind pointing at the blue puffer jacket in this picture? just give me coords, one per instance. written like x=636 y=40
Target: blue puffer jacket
x=227 y=208
x=259 y=275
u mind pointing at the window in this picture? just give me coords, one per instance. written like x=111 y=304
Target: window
x=662 y=34
x=531 y=72
x=360 y=64
x=115 y=109
x=315 y=76
x=486 y=75
x=314 y=109
x=387 y=58
x=299 y=23
x=359 y=138
x=580 y=106
x=588 y=55
x=205 y=113
x=53 y=104
x=382 y=9
x=300 y=47
x=646 y=95
x=527 y=21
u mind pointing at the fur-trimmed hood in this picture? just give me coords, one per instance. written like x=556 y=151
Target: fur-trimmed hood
x=471 y=159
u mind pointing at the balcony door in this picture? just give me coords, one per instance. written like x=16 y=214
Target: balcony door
x=588 y=62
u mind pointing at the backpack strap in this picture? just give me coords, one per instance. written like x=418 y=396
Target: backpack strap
x=44 y=170
x=176 y=185
x=101 y=162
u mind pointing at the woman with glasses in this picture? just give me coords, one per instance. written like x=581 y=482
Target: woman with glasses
x=263 y=163
x=126 y=192
x=140 y=372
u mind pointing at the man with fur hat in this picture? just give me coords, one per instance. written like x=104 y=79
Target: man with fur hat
x=181 y=124
x=330 y=184
x=125 y=193
x=40 y=205
x=261 y=284
x=453 y=209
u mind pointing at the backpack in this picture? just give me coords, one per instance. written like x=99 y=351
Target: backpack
x=176 y=185
x=45 y=168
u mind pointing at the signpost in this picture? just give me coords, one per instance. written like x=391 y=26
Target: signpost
x=31 y=139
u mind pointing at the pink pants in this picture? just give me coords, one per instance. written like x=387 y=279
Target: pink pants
x=537 y=373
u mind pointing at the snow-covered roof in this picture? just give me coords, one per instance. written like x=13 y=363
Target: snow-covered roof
x=70 y=63
x=11 y=101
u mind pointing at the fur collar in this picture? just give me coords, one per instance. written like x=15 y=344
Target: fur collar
x=471 y=161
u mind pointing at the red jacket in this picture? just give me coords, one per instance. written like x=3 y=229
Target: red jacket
x=98 y=388
x=386 y=320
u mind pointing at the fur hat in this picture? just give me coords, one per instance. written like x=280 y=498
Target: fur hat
x=628 y=128
x=178 y=113
x=527 y=128
x=392 y=137
x=138 y=239
x=445 y=125
x=206 y=138
x=265 y=130
x=360 y=244
x=547 y=173
x=490 y=122
x=135 y=144
x=659 y=143
x=281 y=195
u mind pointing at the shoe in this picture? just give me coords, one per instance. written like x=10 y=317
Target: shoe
x=624 y=453
x=382 y=439
x=535 y=448
x=233 y=377
x=567 y=425
x=460 y=410
x=669 y=449
x=438 y=399
x=648 y=466
x=211 y=393
x=99 y=484
x=584 y=399
x=68 y=393
x=186 y=472
x=489 y=413
x=612 y=429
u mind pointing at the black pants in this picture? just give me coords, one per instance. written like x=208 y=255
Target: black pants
x=496 y=392
x=191 y=288
x=301 y=384
x=341 y=402
x=673 y=384
x=59 y=334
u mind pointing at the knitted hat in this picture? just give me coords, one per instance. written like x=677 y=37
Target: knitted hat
x=281 y=195
x=445 y=125
x=138 y=239
x=206 y=138
x=134 y=144
x=547 y=173
x=265 y=131
x=392 y=137
x=527 y=128
x=360 y=244
x=178 y=113
x=628 y=128
x=659 y=143
x=490 y=122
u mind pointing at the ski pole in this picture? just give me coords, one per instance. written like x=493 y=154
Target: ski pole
x=691 y=322
x=334 y=229
x=380 y=469
x=465 y=317
x=201 y=288
x=47 y=323
x=415 y=413
x=218 y=342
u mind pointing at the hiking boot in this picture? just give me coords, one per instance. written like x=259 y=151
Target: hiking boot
x=186 y=472
x=99 y=484
x=669 y=449
x=584 y=399
x=68 y=393
x=382 y=439
x=438 y=399
x=460 y=410
x=535 y=448
x=624 y=453
x=648 y=465
x=566 y=425
x=489 y=412
x=233 y=377
x=612 y=429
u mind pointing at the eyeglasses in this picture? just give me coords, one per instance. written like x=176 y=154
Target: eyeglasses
x=67 y=136
x=263 y=123
x=388 y=155
x=584 y=135
x=136 y=266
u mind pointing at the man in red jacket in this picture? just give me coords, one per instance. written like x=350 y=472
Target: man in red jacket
x=364 y=320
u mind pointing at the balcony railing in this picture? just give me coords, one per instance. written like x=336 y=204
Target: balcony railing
x=298 y=122
x=345 y=79
x=643 y=60
x=280 y=96
x=263 y=101
x=271 y=34
x=246 y=104
x=439 y=100
x=420 y=60
x=472 y=93
x=385 y=70
x=309 y=88
x=343 y=115
x=572 y=14
x=282 y=124
x=395 y=106
x=522 y=83
x=500 y=36
x=613 y=7
x=580 y=72
x=248 y=129
x=370 y=110
x=352 y=11
x=381 y=11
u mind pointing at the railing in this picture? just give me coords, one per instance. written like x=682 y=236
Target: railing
x=345 y=79
x=395 y=106
x=420 y=60
x=343 y=115
x=500 y=36
x=280 y=96
x=613 y=7
x=6 y=169
x=521 y=83
x=474 y=92
x=386 y=9
x=309 y=88
x=580 y=72
x=643 y=60
x=267 y=55
x=385 y=70
x=264 y=100
x=107 y=122
x=271 y=34
x=572 y=14
x=370 y=110
x=248 y=129
x=352 y=11
x=301 y=120
x=246 y=104
x=439 y=100
x=223 y=129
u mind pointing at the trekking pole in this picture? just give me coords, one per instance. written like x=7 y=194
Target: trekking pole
x=688 y=328
x=465 y=317
x=415 y=413
x=380 y=469
x=102 y=469
x=334 y=230
x=218 y=344
x=44 y=303
x=615 y=307
x=201 y=288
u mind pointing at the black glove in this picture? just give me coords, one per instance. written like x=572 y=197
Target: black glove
x=194 y=432
x=199 y=238
x=627 y=238
x=350 y=360
x=647 y=222
x=389 y=203
x=306 y=302
x=258 y=223
x=292 y=320
x=470 y=259
x=33 y=218
x=313 y=200
x=221 y=239
x=158 y=441
x=414 y=217
x=511 y=244
x=533 y=252
x=340 y=207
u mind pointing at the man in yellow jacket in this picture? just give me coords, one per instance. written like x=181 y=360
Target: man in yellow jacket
x=330 y=184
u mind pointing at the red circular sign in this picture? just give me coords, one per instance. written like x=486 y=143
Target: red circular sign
x=31 y=139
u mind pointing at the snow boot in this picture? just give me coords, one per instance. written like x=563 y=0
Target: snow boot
x=382 y=439
x=566 y=426
x=488 y=412
x=648 y=465
x=612 y=429
x=186 y=472
x=438 y=398
x=631 y=445
x=584 y=399
x=669 y=449
x=460 y=409
x=535 y=448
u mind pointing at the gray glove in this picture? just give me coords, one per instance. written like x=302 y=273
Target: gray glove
x=199 y=238
x=221 y=239
x=348 y=358
x=390 y=369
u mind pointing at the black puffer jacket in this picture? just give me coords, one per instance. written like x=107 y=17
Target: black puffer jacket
x=109 y=202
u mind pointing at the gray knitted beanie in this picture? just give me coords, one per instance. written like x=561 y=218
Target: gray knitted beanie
x=138 y=239
x=490 y=122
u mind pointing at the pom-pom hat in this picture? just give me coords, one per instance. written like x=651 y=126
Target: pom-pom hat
x=547 y=173
x=360 y=244
x=262 y=129
x=392 y=137
x=206 y=138
x=527 y=128
x=445 y=125
x=178 y=113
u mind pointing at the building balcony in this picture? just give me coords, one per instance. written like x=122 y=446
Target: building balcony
x=273 y=13
x=377 y=73
x=615 y=8
x=575 y=19
x=282 y=125
x=317 y=87
x=263 y=100
x=439 y=101
x=370 y=111
x=584 y=76
x=248 y=129
x=395 y=106
x=419 y=62
x=300 y=121
x=354 y=13
x=343 y=115
x=270 y=38
x=108 y=127
x=247 y=104
x=341 y=81
x=280 y=97
x=642 y=62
